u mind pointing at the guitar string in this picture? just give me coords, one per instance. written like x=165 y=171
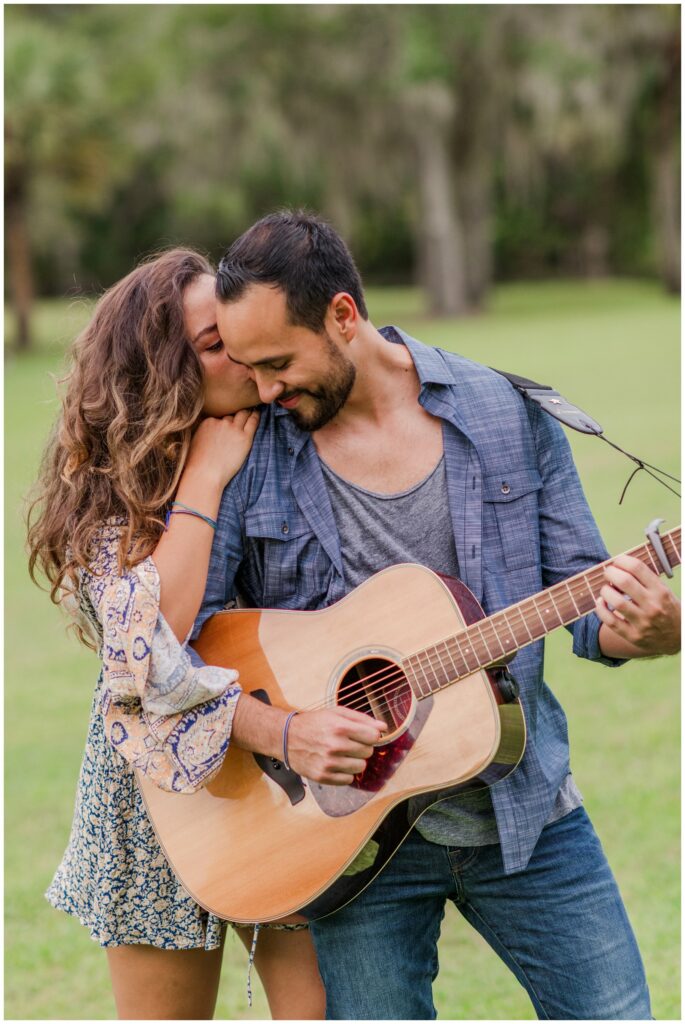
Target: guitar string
x=489 y=623
x=427 y=653
x=392 y=673
x=357 y=685
x=358 y=692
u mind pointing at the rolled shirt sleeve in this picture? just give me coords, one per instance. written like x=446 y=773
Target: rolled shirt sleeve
x=569 y=538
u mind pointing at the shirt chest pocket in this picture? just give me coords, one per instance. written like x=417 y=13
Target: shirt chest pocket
x=285 y=550
x=511 y=529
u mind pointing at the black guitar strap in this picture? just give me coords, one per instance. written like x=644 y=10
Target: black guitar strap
x=553 y=403
x=571 y=416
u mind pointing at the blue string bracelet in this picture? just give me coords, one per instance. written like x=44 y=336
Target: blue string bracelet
x=179 y=509
x=286 y=727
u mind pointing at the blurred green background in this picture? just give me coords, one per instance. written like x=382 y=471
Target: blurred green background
x=452 y=145
x=508 y=179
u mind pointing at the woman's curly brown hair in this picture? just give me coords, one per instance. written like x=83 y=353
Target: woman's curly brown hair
x=133 y=392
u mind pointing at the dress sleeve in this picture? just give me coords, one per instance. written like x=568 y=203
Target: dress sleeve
x=168 y=717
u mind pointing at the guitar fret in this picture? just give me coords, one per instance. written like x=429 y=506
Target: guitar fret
x=532 y=603
x=586 y=583
x=563 y=616
x=449 y=654
x=596 y=579
x=517 y=608
x=460 y=652
x=491 y=657
x=467 y=648
x=418 y=684
x=408 y=671
x=543 y=601
x=440 y=674
x=674 y=555
x=655 y=565
x=505 y=619
x=570 y=591
x=505 y=644
x=428 y=683
x=495 y=634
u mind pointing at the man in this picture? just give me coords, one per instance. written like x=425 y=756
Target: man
x=378 y=450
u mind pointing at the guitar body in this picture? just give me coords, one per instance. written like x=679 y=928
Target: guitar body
x=260 y=844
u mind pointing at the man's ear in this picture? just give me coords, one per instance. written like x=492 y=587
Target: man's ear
x=343 y=315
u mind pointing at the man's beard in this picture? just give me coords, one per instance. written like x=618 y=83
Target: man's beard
x=331 y=395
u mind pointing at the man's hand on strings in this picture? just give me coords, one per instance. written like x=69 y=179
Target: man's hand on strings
x=640 y=616
x=332 y=745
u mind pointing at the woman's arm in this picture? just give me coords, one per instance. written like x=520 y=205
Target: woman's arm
x=219 y=448
x=167 y=717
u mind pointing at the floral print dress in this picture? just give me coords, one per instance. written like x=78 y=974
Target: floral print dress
x=155 y=711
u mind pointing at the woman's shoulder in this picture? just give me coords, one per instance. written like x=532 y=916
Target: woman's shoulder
x=104 y=567
x=105 y=546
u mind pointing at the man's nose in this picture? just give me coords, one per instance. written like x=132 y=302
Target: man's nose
x=269 y=390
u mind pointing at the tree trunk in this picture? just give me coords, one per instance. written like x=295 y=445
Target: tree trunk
x=666 y=207
x=475 y=193
x=19 y=255
x=440 y=242
x=666 y=171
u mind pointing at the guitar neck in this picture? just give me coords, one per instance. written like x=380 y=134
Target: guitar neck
x=492 y=639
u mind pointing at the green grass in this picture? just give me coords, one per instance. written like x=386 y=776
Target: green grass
x=612 y=348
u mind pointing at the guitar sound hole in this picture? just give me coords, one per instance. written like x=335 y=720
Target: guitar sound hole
x=377 y=687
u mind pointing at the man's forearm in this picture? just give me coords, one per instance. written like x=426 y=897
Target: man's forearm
x=258 y=726
x=326 y=745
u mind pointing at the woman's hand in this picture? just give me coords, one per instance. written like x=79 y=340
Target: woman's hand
x=220 y=446
x=217 y=451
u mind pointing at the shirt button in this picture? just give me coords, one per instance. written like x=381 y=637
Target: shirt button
x=285 y=528
x=291 y=451
x=505 y=488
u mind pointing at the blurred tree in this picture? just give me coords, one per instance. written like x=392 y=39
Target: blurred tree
x=592 y=129
x=61 y=153
x=450 y=95
x=465 y=139
x=42 y=82
x=662 y=119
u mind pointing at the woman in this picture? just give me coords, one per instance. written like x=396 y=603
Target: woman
x=155 y=421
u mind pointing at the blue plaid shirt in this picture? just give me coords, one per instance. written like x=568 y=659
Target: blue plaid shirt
x=521 y=523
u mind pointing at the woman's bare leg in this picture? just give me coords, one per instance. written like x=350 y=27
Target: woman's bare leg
x=287 y=967
x=164 y=984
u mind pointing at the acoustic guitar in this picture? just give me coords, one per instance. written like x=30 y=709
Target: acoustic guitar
x=260 y=843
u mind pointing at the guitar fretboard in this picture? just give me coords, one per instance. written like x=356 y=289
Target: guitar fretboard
x=494 y=638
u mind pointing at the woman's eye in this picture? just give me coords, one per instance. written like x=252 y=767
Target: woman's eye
x=215 y=347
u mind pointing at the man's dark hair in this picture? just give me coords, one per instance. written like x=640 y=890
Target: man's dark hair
x=298 y=253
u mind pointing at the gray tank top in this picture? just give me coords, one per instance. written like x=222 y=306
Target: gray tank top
x=378 y=530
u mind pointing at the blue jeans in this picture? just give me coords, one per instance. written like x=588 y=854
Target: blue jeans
x=559 y=925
